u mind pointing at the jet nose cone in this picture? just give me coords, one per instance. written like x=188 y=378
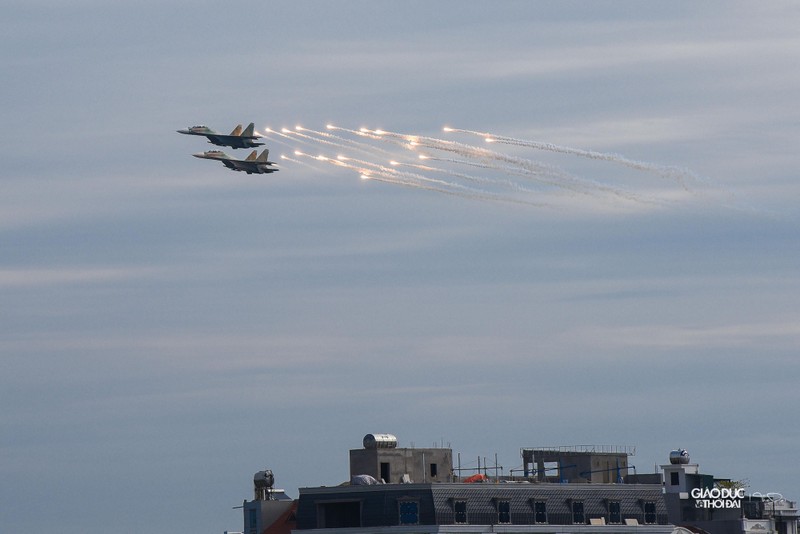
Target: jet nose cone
x=199 y=155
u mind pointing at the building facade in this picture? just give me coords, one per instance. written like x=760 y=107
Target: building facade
x=701 y=502
x=566 y=490
x=485 y=507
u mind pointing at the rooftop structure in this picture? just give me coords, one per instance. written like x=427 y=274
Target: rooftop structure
x=719 y=506
x=577 y=463
x=384 y=461
x=394 y=490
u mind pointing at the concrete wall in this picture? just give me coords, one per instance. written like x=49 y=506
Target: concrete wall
x=259 y=515
x=414 y=462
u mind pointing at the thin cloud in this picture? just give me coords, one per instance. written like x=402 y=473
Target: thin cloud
x=42 y=277
x=757 y=336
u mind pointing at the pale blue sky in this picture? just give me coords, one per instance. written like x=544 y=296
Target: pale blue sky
x=168 y=327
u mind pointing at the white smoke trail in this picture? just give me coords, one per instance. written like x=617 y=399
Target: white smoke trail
x=472 y=151
x=374 y=171
x=491 y=166
x=458 y=191
x=590 y=188
x=315 y=164
x=270 y=135
x=323 y=141
x=531 y=171
x=665 y=171
x=283 y=133
x=469 y=177
x=312 y=139
x=303 y=163
x=545 y=174
x=350 y=143
x=378 y=172
x=459 y=162
x=361 y=133
x=412 y=176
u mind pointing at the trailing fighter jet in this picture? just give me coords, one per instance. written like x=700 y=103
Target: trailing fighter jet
x=251 y=164
x=236 y=139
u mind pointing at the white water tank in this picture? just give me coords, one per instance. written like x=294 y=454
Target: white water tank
x=679 y=456
x=380 y=441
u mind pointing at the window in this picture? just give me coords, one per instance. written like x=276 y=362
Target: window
x=753 y=509
x=503 y=511
x=577 y=513
x=385 y=472
x=540 y=512
x=409 y=512
x=434 y=470
x=460 y=512
x=649 y=513
x=614 y=514
x=674 y=478
x=346 y=514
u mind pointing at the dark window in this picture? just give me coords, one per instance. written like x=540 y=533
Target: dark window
x=434 y=470
x=577 y=513
x=753 y=509
x=674 y=478
x=614 y=515
x=409 y=513
x=649 y=513
x=503 y=512
x=540 y=511
x=460 y=512
x=385 y=472
x=341 y=514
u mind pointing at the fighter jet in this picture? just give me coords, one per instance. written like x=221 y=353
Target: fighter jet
x=236 y=139
x=251 y=164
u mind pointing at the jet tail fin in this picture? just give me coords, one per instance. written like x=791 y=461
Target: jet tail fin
x=248 y=132
x=264 y=157
x=237 y=130
x=252 y=156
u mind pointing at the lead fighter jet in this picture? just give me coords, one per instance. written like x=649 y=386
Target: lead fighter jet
x=236 y=139
x=251 y=164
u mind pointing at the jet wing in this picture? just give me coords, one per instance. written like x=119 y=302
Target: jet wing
x=238 y=138
x=252 y=167
x=234 y=141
